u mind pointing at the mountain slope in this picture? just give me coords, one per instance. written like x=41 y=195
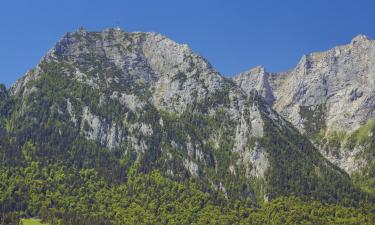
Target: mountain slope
x=156 y=104
x=330 y=96
x=103 y=109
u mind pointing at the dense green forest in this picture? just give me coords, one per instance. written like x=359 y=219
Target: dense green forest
x=60 y=195
x=63 y=193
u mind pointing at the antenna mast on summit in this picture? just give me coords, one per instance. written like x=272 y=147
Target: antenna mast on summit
x=117 y=25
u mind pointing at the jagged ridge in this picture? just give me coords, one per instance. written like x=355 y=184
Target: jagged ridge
x=330 y=96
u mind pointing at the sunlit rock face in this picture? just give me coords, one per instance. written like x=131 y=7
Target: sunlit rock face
x=327 y=92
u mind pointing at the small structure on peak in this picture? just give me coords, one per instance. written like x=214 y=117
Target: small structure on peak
x=81 y=29
x=118 y=28
x=360 y=38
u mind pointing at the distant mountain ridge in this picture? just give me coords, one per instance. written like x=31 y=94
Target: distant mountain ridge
x=330 y=96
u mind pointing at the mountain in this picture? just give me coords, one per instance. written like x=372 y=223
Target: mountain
x=130 y=115
x=330 y=96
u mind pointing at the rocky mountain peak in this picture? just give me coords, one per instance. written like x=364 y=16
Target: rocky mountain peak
x=256 y=78
x=132 y=55
x=360 y=39
x=327 y=92
x=260 y=70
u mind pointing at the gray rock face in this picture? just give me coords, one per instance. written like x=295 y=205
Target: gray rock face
x=258 y=79
x=327 y=91
x=108 y=134
x=114 y=49
x=343 y=79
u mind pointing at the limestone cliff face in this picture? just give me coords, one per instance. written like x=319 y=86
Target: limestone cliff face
x=342 y=79
x=327 y=92
x=165 y=107
x=256 y=79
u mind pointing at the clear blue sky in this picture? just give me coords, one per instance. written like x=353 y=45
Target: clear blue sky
x=233 y=35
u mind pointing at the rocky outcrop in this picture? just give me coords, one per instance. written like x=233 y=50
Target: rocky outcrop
x=256 y=79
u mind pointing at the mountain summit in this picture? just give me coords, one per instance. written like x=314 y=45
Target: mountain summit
x=330 y=96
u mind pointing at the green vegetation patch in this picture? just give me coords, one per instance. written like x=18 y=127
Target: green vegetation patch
x=31 y=222
x=314 y=119
x=363 y=136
